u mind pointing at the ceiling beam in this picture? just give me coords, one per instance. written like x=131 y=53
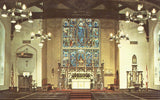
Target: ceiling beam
x=146 y=28
x=68 y=4
x=36 y=3
x=63 y=13
x=40 y=6
x=97 y=3
x=128 y=5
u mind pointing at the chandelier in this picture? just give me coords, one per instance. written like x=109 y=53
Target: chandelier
x=41 y=36
x=118 y=36
x=18 y=13
x=140 y=16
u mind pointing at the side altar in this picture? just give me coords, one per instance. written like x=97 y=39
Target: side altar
x=81 y=77
x=134 y=77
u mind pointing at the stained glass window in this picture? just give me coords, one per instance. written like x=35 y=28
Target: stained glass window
x=157 y=55
x=2 y=53
x=81 y=43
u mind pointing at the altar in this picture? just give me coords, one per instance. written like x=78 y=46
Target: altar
x=80 y=77
x=81 y=83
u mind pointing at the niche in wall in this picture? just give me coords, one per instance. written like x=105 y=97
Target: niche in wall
x=26 y=59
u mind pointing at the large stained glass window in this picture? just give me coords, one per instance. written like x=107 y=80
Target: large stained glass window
x=81 y=46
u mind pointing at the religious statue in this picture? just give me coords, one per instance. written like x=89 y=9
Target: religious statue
x=73 y=59
x=81 y=35
x=88 y=59
x=81 y=62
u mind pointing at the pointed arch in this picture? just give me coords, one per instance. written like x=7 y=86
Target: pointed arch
x=20 y=62
x=134 y=59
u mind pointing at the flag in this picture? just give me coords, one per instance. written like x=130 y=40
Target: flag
x=146 y=73
x=146 y=78
x=12 y=77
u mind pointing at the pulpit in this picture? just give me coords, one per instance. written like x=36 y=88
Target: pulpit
x=24 y=83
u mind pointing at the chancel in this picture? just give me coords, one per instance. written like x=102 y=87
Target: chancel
x=80 y=49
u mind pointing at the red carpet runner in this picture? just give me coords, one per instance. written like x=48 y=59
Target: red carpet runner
x=80 y=95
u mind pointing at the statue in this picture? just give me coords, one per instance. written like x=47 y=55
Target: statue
x=73 y=59
x=81 y=62
x=89 y=59
x=81 y=35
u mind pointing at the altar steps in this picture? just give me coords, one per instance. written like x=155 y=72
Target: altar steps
x=80 y=95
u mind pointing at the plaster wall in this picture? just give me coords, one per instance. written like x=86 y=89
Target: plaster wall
x=54 y=50
x=127 y=50
x=32 y=65
x=108 y=50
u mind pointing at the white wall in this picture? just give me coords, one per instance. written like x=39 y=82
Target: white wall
x=35 y=63
x=12 y=46
x=127 y=51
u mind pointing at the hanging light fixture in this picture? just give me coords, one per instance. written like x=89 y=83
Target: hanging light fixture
x=118 y=36
x=49 y=36
x=154 y=17
x=30 y=20
x=41 y=44
x=40 y=35
x=18 y=27
x=140 y=16
x=4 y=12
x=19 y=12
x=140 y=28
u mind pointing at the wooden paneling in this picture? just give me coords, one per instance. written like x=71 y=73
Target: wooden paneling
x=24 y=83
